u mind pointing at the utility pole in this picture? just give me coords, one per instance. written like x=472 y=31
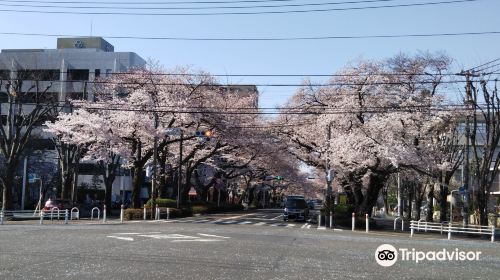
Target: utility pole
x=329 y=175
x=468 y=100
x=155 y=157
x=179 y=182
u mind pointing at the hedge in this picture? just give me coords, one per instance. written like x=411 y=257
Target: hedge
x=138 y=213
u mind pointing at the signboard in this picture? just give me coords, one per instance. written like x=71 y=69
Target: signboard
x=192 y=192
x=461 y=190
x=343 y=199
x=31 y=178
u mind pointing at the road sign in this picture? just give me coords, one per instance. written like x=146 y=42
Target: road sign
x=31 y=178
x=462 y=190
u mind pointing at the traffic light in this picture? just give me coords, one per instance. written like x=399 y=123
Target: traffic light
x=204 y=134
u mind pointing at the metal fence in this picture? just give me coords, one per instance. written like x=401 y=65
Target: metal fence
x=417 y=226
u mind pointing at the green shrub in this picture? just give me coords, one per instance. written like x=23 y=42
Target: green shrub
x=163 y=202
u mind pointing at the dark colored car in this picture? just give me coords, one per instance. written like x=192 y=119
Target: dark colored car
x=295 y=208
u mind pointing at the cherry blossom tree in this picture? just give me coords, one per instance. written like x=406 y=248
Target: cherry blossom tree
x=378 y=115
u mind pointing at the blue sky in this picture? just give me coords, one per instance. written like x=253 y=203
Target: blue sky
x=284 y=57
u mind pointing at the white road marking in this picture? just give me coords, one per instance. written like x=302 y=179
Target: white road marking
x=127 y=233
x=290 y=225
x=197 y=240
x=337 y=229
x=211 y=235
x=259 y=224
x=308 y=226
x=244 y=223
x=121 y=238
x=202 y=221
x=230 y=222
x=235 y=217
x=168 y=236
x=275 y=218
x=322 y=228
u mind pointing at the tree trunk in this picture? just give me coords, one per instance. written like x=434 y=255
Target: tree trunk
x=375 y=184
x=482 y=205
x=430 y=204
x=136 y=186
x=443 y=193
x=7 y=185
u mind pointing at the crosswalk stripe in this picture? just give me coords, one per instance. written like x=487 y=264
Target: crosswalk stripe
x=290 y=225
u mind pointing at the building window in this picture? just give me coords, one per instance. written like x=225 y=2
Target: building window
x=97 y=73
x=4 y=74
x=78 y=74
x=39 y=74
x=109 y=72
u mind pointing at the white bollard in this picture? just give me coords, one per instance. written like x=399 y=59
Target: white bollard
x=493 y=233
x=1 y=217
x=319 y=220
x=449 y=232
x=168 y=213
x=353 y=221
x=367 y=224
x=121 y=214
x=66 y=214
x=157 y=214
x=331 y=219
x=41 y=217
x=104 y=215
x=411 y=232
x=144 y=217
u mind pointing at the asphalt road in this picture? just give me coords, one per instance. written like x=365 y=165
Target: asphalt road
x=232 y=246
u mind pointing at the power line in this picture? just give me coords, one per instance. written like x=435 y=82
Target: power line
x=312 y=38
x=193 y=8
x=250 y=75
x=149 y=3
x=241 y=13
x=489 y=62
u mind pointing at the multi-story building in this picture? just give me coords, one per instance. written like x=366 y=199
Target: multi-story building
x=67 y=71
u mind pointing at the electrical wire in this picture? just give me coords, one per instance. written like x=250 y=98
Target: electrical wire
x=241 y=13
x=173 y=2
x=252 y=75
x=196 y=8
x=312 y=38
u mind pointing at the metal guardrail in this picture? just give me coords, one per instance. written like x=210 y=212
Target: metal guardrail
x=452 y=228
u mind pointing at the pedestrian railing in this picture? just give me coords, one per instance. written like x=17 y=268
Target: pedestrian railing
x=54 y=212
x=402 y=223
x=452 y=228
x=92 y=213
x=75 y=213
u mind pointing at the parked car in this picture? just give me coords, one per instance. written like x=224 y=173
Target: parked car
x=295 y=208
x=59 y=203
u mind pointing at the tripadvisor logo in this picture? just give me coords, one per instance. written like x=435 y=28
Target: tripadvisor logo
x=387 y=255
